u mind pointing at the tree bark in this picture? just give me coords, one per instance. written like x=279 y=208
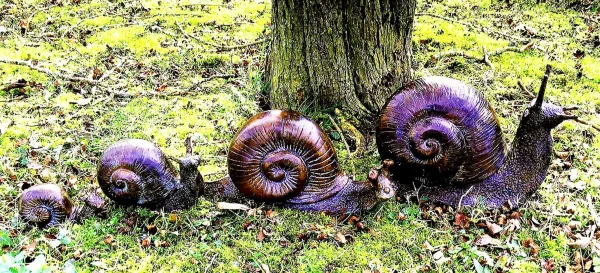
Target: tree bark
x=345 y=54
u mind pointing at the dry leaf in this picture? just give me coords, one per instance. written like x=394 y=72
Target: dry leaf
x=340 y=238
x=483 y=240
x=461 y=220
x=270 y=214
x=232 y=206
x=146 y=242
x=260 y=236
x=493 y=228
x=109 y=240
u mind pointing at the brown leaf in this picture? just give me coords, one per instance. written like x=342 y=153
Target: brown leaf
x=340 y=238
x=109 y=240
x=146 y=242
x=483 y=240
x=549 y=266
x=493 y=228
x=161 y=88
x=152 y=229
x=321 y=236
x=360 y=226
x=248 y=225
x=270 y=214
x=30 y=248
x=579 y=54
x=461 y=220
x=260 y=236
x=516 y=215
x=353 y=219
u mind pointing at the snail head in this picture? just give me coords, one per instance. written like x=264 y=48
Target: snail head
x=545 y=114
x=380 y=177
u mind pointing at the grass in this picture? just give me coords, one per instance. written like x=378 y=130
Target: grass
x=56 y=136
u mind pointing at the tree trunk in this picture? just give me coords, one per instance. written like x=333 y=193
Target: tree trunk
x=345 y=54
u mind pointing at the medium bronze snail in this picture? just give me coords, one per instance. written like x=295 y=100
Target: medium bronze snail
x=446 y=142
x=278 y=157
x=47 y=205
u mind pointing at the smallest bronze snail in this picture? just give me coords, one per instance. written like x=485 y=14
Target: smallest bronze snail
x=48 y=205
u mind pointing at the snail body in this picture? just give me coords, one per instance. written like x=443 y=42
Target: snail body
x=136 y=172
x=48 y=205
x=445 y=139
x=285 y=158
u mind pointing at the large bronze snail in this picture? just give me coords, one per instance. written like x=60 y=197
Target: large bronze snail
x=278 y=157
x=446 y=142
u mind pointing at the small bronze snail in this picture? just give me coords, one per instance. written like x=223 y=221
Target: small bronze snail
x=278 y=157
x=47 y=205
x=136 y=172
x=445 y=140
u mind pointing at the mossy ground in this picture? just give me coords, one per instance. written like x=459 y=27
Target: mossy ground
x=57 y=134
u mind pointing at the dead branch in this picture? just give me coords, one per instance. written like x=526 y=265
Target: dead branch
x=486 y=54
x=219 y=47
x=18 y=84
x=488 y=31
x=337 y=128
x=524 y=89
x=48 y=72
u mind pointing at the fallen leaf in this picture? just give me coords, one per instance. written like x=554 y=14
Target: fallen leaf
x=270 y=213
x=461 y=220
x=260 y=236
x=109 y=240
x=483 y=240
x=146 y=242
x=340 y=238
x=4 y=126
x=232 y=206
x=493 y=228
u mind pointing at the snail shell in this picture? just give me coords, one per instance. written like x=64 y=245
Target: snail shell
x=135 y=171
x=45 y=205
x=441 y=131
x=283 y=156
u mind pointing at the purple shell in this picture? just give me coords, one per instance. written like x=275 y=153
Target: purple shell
x=440 y=131
x=135 y=171
x=45 y=205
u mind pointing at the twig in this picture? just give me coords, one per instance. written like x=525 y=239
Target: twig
x=337 y=128
x=461 y=197
x=204 y=5
x=224 y=76
x=524 y=89
x=18 y=84
x=193 y=37
x=219 y=47
x=47 y=71
x=486 y=58
x=592 y=209
x=588 y=124
x=486 y=54
x=507 y=36
x=105 y=76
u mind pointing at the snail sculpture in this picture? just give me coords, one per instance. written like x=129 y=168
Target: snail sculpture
x=445 y=140
x=47 y=205
x=136 y=172
x=278 y=157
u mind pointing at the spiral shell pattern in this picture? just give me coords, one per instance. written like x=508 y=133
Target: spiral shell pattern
x=45 y=205
x=283 y=156
x=440 y=131
x=135 y=171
